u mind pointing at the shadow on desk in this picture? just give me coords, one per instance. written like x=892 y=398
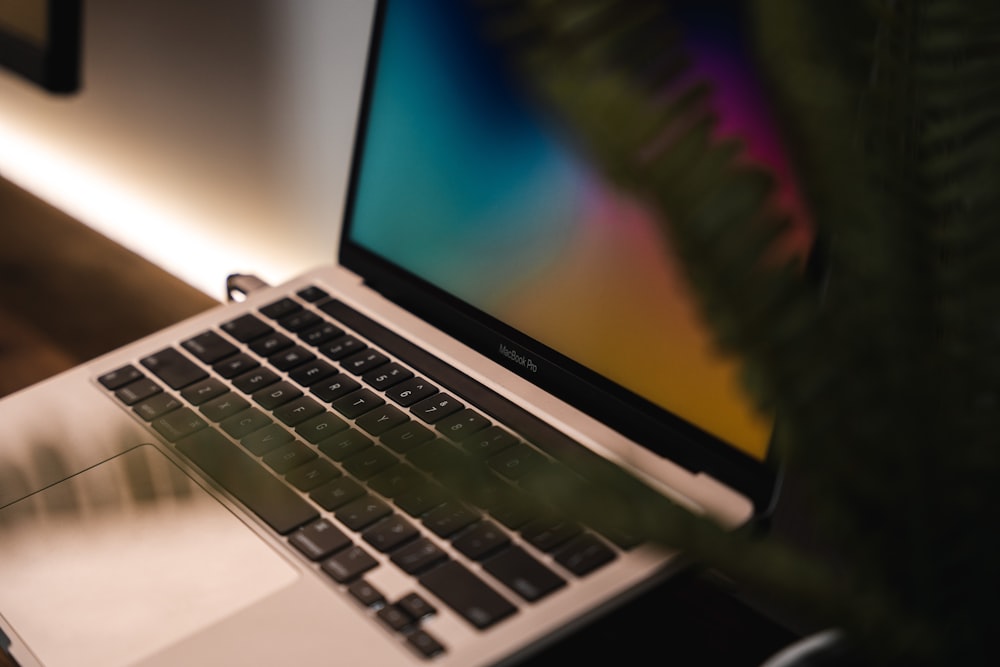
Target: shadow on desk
x=692 y=620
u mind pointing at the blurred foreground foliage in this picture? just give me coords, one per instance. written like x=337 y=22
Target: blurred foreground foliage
x=885 y=374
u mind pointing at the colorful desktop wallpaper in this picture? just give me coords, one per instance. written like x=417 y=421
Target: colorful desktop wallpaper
x=466 y=186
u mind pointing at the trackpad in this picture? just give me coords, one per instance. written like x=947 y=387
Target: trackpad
x=124 y=559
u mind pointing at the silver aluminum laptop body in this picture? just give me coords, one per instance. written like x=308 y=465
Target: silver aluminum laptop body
x=116 y=550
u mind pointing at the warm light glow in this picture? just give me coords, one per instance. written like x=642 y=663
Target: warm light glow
x=158 y=228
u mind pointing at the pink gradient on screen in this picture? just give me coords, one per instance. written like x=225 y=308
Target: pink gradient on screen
x=744 y=113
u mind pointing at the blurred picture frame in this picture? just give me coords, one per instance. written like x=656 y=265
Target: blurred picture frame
x=40 y=40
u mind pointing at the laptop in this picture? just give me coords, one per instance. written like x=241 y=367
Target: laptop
x=266 y=482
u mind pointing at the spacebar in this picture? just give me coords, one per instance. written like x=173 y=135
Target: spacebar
x=250 y=483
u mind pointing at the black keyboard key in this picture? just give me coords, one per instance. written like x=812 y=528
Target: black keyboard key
x=281 y=308
x=338 y=348
x=547 y=533
x=481 y=540
x=174 y=368
x=584 y=554
x=395 y=618
x=224 y=406
x=320 y=334
x=177 y=424
x=512 y=508
x=517 y=461
x=386 y=376
x=356 y=404
x=489 y=441
x=300 y=320
x=406 y=436
x=462 y=424
x=315 y=473
x=382 y=419
x=120 y=377
x=390 y=533
x=344 y=444
x=319 y=539
x=348 y=564
x=244 y=423
x=263 y=440
x=438 y=458
x=416 y=606
x=156 y=406
x=138 y=390
x=246 y=328
x=291 y=358
x=272 y=343
x=255 y=380
x=277 y=394
x=360 y=363
x=312 y=294
x=337 y=493
x=235 y=365
x=467 y=594
x=508 y=505
x=312 y=372
x=289 y=456
x=425 y=644
x=362 y=512
x=297 y=411
x=366 y=594
x=209 y=347
x=449 y=518
x=436 y=407
x=207 y=389
x=410 y=391
x=320 y=427
x=397 y=480
x=239 y=474
x=333 y=388
x=418 y=555
x=369 y=462
x=420 y=500
x=523 y=574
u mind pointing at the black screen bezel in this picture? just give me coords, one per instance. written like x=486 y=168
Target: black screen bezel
x=640 y=420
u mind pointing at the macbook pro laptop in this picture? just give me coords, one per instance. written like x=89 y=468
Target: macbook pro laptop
x=267 y=482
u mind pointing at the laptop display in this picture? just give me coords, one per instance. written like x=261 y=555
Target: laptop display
x=466 y=186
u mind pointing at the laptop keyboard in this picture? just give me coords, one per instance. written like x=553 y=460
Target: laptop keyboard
x=341 y=436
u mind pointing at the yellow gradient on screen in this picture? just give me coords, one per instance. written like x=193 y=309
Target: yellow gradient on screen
x=587 y=300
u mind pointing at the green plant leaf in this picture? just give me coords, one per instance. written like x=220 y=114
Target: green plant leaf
x=886 y=376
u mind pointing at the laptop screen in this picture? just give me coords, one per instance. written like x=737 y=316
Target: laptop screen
x=462 y=187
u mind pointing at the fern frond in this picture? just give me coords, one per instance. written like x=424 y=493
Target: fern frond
x=656 y=137
x=890 y=390
x=902 y=163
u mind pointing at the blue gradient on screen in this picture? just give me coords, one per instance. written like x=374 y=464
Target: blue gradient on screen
x=480 y=195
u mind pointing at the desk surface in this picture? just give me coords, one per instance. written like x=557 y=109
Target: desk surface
x=68 y=294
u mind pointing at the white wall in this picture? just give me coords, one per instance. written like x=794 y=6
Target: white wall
x=209 y=136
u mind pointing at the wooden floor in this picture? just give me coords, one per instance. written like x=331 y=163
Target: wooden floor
x=68 y=294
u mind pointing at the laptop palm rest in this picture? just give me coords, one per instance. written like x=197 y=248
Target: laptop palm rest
x=124 y=559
